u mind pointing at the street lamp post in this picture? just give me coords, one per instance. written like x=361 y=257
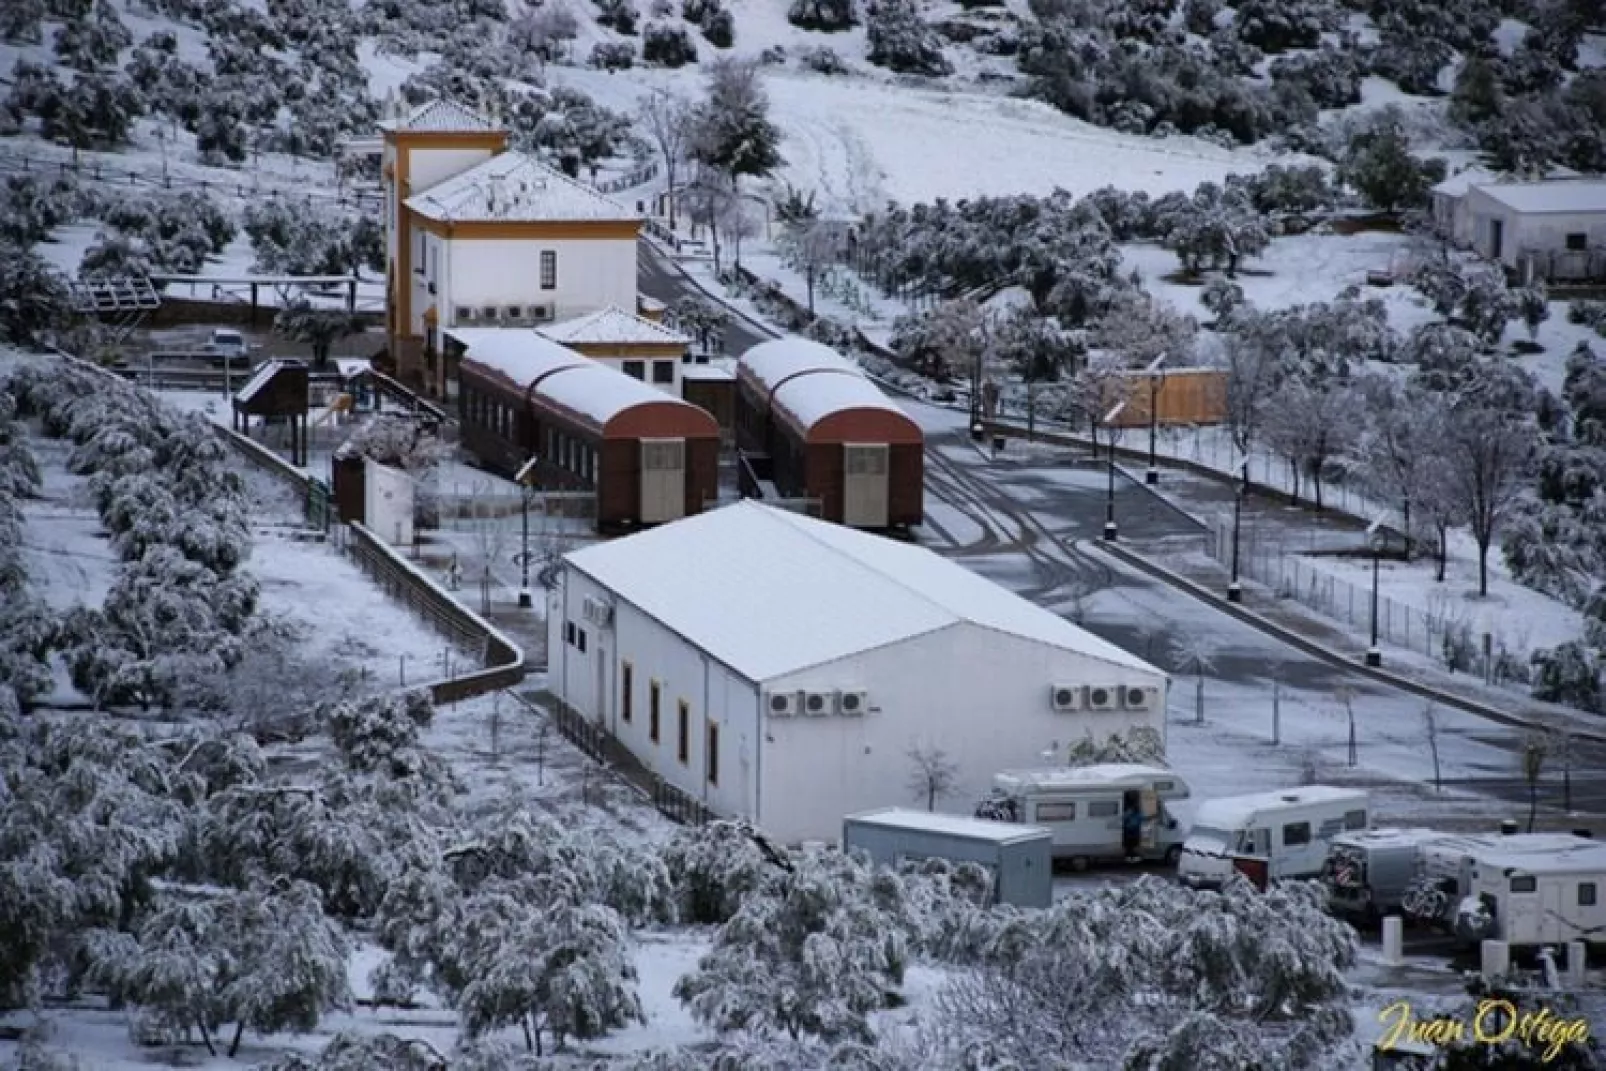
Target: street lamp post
x=1111 y=532
x=525 y=474
x=1374 y=655
x=1235 y=591
x=1156 y=376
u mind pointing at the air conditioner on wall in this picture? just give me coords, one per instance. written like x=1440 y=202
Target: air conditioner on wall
x=781 y=704
x=1103 y=697
x=1136 y=697
x=853 y=704
x=466 y=314
x=1065 y=697
x=819 y=704
x=490 y=313
x=538 y=313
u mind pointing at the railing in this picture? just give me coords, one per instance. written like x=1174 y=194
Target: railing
x=580 y=731
x=408 y=399
x=629 y=180
x=680 y=806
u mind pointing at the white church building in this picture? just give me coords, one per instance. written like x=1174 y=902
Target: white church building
x=781 y=669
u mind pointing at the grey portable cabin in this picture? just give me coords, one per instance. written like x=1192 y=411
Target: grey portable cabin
x=1369 y=871
x=1021 y=858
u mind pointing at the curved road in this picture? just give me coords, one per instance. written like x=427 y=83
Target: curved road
x=1026 y=517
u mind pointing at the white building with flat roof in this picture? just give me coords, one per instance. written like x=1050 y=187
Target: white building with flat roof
x=1553 y=230
x=781 y=669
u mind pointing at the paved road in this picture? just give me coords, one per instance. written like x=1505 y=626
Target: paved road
x=1012 y=509
x=662 y=282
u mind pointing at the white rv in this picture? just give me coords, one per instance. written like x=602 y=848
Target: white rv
x=1269 y=836
x=1083 y=806
x=1525 y=889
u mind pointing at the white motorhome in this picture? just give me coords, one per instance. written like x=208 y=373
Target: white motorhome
x=1269 y=836
x=1525 y=889
x=1083 y=806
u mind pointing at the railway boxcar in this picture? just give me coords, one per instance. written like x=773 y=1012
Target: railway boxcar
x=648 y=457
x=812 y=422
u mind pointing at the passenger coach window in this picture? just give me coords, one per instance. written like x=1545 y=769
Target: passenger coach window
x=1056 y=812
x=1586 y=894
x=1296 y=833
x=1354 y=819
x=1524 y=883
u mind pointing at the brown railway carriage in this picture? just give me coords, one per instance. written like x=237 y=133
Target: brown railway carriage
x=648 y=457
x=825 y=431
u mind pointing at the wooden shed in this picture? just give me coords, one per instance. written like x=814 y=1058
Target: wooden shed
x=1185 y=396
x=278 y=391
x=822 y=430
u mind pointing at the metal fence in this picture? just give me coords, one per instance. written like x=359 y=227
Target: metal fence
x=86 y=167
x=600 y=745
x=629 y=180
x=1439 y=633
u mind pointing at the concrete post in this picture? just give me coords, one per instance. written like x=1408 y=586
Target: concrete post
x=1496 y=959
x=1577 y=964
x=1394 y=940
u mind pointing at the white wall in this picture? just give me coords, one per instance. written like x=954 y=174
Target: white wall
x=1548 y=232
x=591 y=683
x=431 y=167
x=592 y=273
x=928 y=691
x=388 y=503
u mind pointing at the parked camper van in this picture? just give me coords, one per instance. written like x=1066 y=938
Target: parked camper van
x=1368 y=872
x=1523 y=889
x=1084 y=806
x=1269 y=836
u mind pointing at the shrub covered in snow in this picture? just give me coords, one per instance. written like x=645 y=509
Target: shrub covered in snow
x=827 y=16
x=613 y=55
x=900 y=40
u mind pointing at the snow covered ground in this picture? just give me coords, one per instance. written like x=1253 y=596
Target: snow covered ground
x=860 y=143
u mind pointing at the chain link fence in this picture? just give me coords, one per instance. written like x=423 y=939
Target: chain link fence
x=1439 y=633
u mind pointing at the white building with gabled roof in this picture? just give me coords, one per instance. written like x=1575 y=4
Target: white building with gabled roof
x=785 y=676
x=478 y=235
x=1553 y=230
x=639 y=347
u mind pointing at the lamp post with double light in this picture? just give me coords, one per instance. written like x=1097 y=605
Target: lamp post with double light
x=1235 y=591
x=1110 y=530
x=1376 y=540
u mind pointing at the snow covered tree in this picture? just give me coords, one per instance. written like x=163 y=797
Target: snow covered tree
x=613 y=55
x=318 y=329
x=1137 y=329
x=34 y=302
x=380 y=732
x=667 y=121
x=1516 y=1052
x=731 y=128
x=814 y=957
x=401 y=442
x=1313 y=425
x=811 y=247
x=32 y=207
x=664 y=45
x=1378 y=165
x=1489 y=454
x=544 y=31
x=265 y=961
x=1397 y=454
x=900 y=40
x=826 y=16
x=717 y=867
x=1084 y=979
x=1216 y=229
x=566 y=972
x=92 y=41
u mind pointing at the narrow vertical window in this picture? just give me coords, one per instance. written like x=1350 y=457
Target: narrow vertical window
x=549 y=270
x=683 y=732
x=627 y=691
x=713 y=753
x=653 y=694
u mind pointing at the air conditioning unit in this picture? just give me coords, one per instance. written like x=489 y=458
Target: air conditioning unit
x=490 y=314
x=538 y=313
x=467 y=314
x=854 y=704
x=1136 y=697
x=1065 y=697
x=781 y=704
x=819 y=704
x=513 y=312
x=1103 y=697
